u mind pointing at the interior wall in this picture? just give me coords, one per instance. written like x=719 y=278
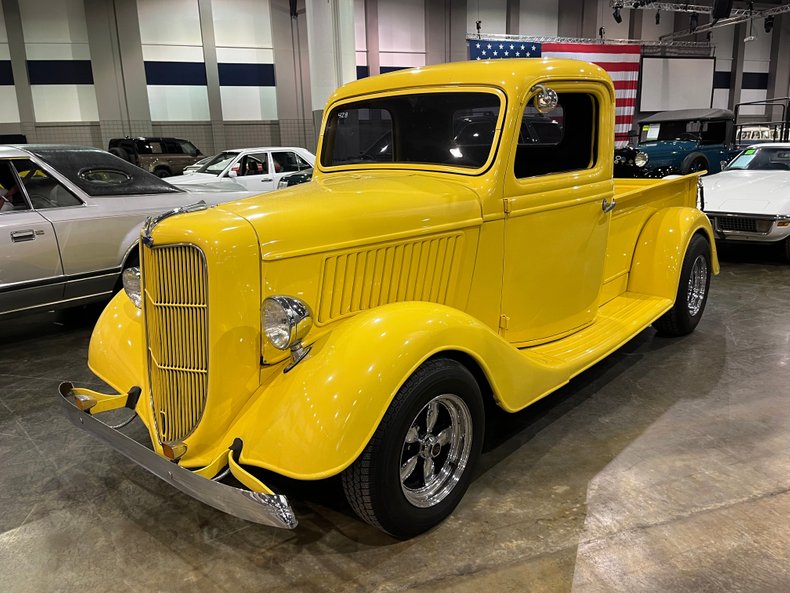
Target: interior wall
x=245 y=71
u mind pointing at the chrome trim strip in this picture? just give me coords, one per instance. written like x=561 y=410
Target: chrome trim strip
x=150 y=223
x=265 y=509
x=743 y=215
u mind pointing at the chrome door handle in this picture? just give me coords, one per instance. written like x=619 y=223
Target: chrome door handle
x=608 y=205
x=265 y=180
x=19 y=236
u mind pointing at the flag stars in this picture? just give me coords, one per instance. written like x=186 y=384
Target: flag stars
x=522 y=48
x=484 y=52
x=500 y=46
x=529 y=55
x=489 y=46
x=495 y=53
x=478 y=46
x=534 y=48
x=506 y=53
x=518 y=54
x=511 y=46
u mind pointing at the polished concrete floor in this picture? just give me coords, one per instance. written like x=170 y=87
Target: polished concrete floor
x=664 y=468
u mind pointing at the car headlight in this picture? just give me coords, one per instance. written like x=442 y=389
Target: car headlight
x=640 y=160
x=132 y=286
x=286 y=321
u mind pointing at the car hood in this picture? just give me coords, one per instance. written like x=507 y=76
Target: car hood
x=344 y=210
x=665 y=149
x=193 y=177
x=211 y=184
x=748 y=192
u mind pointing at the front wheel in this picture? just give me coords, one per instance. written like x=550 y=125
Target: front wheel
x=692 y=294
x=419 y=462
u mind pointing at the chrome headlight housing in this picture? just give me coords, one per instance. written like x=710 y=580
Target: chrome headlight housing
x=132 y=286
x=641 y=158
x=286 y=322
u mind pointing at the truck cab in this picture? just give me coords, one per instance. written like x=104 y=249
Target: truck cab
x=462 y=240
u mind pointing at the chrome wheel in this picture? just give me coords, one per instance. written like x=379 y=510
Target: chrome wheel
x=695 y=293
x=436 y=450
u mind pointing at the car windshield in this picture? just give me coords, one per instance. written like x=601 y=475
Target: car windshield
x=762 y=159
x=218 y=163
x=455 y=128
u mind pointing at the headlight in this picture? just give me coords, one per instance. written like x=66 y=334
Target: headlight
x=131 y=284
x=286 y=321
x=640 y=160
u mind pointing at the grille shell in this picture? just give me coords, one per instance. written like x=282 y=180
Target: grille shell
x=175 y=282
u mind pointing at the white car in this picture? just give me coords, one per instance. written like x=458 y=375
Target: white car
x=257 y=169
x=70 y=219
x=750 y=199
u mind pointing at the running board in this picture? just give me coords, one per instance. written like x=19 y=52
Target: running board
x=617 y=322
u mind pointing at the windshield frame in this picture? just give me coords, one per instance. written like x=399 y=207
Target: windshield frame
x=400 y=166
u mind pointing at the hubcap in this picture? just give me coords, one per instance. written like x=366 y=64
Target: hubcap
x=695 y=294
x=436 y=450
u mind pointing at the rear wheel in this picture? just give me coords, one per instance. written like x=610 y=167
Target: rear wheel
x=419 y=462
x=692 y=293
x=162 y=172
x=120 y=153
x=694 y=164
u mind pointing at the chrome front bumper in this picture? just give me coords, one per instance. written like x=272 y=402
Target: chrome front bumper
x=258 y=507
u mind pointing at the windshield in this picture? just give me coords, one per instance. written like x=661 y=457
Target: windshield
x=218 y=163
x=761 y=159
x=455 y=129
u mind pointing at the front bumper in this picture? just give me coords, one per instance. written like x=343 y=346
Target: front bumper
x=258 y=507
x=752 y=228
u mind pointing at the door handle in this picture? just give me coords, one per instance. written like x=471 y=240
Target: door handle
x=608 y=205
x=265 y=180
x=19 y=236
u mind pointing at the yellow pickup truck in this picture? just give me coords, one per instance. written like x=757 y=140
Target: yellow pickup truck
x=462 y=240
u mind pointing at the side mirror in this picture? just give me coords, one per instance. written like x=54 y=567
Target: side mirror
x=232 y=174
x=546 y=98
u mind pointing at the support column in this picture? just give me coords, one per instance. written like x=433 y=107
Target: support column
x=736 y=78
x=779 y=69
x=330 y=33
x=132 y=69
x=16 y=47
x=512 y=17
x=212 y=75
x=372 y=35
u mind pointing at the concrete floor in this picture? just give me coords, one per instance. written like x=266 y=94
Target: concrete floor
x=664 y=468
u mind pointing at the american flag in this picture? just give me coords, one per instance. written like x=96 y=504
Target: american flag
x=621 y=62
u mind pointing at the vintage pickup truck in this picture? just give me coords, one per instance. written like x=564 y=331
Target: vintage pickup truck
x=462 y=240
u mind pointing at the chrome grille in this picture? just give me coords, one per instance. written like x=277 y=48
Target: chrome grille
x=736 y=223
x=175 y=280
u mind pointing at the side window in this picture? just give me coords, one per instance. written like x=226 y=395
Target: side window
x=170 y=147
x=559 y=141
x=188 y=148
x=254 y=164
x=43 y=190
x=285 y=162
x=11 y=196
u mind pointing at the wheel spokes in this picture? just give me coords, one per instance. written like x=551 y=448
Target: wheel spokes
x=433 y=412
x=444 y=437
x=413 y=435
x=427 y=470
x=408 y=468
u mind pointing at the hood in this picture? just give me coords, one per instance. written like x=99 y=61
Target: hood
x=344 y=210
x=665 y=151
x=748 y=192
x=190 y=178
x=206 y=185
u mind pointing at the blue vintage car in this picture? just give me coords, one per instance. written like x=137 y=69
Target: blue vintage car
x=679 y=142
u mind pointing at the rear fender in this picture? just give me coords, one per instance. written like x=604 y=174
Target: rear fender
x=661 y=247
x=313 y=421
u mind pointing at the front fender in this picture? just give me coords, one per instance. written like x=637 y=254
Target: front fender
x=658 y=258
x=313 y=421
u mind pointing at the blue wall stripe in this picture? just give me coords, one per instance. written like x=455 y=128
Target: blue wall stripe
x=385 y=69
x=721 y=80
x=6 y=74
x=60 y=71
x=246 y=75
x=362 y=72
x=176 y=73
x=755 y=81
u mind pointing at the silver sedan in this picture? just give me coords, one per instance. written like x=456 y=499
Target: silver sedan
x=70 y=221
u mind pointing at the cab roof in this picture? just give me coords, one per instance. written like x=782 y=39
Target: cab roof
x=510 y=74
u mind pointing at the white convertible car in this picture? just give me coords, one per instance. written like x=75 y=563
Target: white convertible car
x=750 y=199
x=258 y=169
x=70 y=219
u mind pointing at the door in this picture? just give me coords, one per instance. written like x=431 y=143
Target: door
x=254 y=172
x=558 y=196
x=31 y=273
